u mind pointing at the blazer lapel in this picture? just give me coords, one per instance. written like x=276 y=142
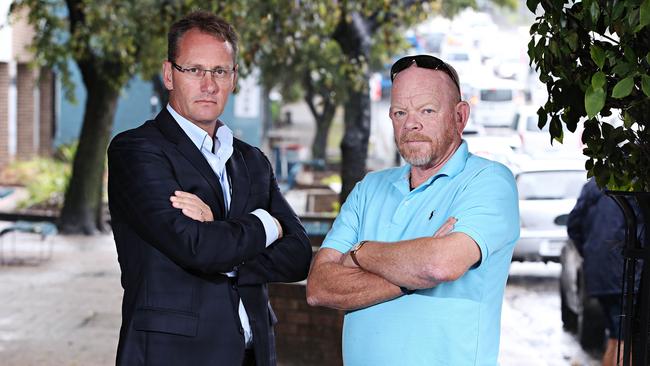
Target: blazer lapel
x=239 y=182
x=174 y=133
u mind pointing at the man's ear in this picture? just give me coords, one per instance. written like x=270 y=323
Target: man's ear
x=461 y=115
x=167 y=77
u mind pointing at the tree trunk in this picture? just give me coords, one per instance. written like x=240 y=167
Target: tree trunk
x=83 y=197
x=323 y=124
x=354 y=39
x=354 y=146
x=315 y=93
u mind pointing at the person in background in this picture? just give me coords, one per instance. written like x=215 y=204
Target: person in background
x=596 y=226
x=199 y=222
x=419 y=255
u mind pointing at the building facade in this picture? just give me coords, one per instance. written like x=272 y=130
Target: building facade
x=27 y=94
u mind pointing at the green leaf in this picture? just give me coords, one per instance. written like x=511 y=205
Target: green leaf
x=623 y=88
x=541 y=118
x=555 y=128
x=622 y=68
x=629 y=54
x=645 y=84
x=572 y=40
x=598 y=80
x=532 y=5
x=598 y=55
x=594 y=100
x=618 y=10
x=628 y=121
x=644 y=14
x=594 y=10
x=647 y=57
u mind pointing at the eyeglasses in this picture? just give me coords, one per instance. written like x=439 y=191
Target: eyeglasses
x=426 y=62
x=198 y=73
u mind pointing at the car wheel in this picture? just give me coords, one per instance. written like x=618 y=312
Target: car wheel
x=569 y=318
x=591 y=322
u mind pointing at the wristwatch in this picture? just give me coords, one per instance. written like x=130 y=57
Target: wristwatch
x=355 y=249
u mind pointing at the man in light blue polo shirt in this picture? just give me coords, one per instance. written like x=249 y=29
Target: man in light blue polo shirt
x=419 y=254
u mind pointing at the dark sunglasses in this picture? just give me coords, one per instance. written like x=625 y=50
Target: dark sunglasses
x=425 y=62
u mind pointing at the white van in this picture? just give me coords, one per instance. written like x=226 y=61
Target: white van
x=495 y=101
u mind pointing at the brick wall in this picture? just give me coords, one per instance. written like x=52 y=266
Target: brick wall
x=4 y=114
x=46 y=103
x=22 y=35
x=25 y=83
x=305 y=335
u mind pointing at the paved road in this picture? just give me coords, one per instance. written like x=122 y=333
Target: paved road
x=66 y=311
x=531 y=329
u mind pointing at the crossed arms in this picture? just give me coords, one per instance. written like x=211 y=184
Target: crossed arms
x=336 y=281
x=141 y=180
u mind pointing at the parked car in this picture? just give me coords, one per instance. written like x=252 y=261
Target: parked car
x=536 y=142
x=547 y=189
x=580 y=313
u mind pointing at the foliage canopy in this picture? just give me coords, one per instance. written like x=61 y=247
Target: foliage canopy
x=594 y=56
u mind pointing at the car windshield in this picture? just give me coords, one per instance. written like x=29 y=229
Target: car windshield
x=496 y=95
x=550 y=185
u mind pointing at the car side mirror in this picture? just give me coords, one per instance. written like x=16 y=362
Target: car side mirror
x=561 y=220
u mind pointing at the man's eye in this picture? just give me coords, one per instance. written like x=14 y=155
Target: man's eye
x=193 y=70
x=399 y=114
x=220 y=72
x=427 y=111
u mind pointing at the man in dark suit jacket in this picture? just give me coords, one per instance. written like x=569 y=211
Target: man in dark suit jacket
x=199 y=222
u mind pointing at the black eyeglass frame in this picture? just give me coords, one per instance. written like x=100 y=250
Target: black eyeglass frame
x=204 y=71
x=425 y=62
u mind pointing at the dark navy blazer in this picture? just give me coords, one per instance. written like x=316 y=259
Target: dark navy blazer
x=597 y=227
x=178 y=309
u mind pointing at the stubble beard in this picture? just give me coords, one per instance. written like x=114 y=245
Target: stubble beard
x=418 y=156
x=423 y=156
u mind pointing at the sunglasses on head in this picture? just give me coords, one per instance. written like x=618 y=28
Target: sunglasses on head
x=425 y=62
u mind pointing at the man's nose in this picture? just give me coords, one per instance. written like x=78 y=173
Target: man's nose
x=412 y=122
x=208 y=84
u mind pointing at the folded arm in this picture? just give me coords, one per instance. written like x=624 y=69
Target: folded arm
x=336 y=281
x=419 y=263
x=141 y=180
x=334 y=285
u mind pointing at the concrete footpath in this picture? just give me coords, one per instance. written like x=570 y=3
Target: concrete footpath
x=63 y=311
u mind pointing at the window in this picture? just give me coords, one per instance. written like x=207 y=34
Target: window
x=496 y=95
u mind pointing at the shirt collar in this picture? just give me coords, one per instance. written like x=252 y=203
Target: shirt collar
x=452 y=167
x=199 y=137
x=457 y=162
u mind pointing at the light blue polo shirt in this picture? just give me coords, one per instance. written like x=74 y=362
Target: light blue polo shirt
x=454 y=323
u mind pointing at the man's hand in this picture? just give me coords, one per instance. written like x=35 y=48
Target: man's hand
x=346 y=260
x=446 y=228
x=277 y=223
x=192 y=206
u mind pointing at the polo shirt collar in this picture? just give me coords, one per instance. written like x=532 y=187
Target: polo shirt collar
x=452 y=167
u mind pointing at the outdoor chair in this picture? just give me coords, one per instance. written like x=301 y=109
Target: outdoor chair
x=26 y=243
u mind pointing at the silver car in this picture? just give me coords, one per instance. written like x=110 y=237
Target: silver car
x=548 y=190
